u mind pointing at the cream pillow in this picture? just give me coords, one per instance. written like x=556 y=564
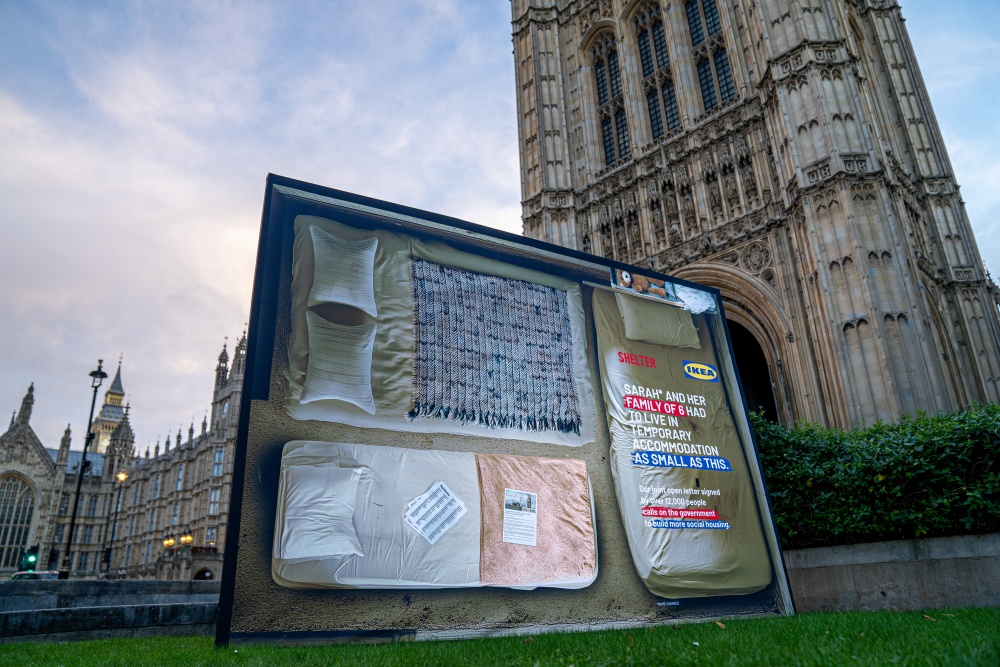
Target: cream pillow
x=660 y=324
x=319 y=513
x=340 y=363
x=343 y=271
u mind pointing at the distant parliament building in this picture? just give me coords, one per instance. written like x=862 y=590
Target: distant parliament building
x=171 y=522
x=784 y=152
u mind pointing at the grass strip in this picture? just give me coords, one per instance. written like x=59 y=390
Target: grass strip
x=955 y=637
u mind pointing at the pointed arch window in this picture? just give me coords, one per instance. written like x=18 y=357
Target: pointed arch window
x=17 y=506
x=715 y=76
x=703 y=19
x=707 y=84
x=657 y=78
x=716 y=82
x=610 y=100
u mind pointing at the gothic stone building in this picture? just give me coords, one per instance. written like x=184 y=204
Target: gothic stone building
x=785 y=152
x=174 y=504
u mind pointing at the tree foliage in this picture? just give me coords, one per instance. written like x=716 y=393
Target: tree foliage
x=923 y=476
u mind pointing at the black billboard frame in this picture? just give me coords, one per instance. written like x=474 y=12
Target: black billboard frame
x=286 y=197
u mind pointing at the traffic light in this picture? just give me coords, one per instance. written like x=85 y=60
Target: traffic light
x=30 y=559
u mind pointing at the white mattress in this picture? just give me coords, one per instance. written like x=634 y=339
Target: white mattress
x=394 y=554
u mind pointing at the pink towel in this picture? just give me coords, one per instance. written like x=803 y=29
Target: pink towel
x=565 y=547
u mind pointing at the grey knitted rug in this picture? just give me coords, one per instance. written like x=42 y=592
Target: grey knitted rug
x=492 y=351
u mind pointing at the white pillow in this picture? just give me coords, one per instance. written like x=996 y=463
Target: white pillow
x=343 y=271
x=319 y=513
x=657 y=323
x=340 y=363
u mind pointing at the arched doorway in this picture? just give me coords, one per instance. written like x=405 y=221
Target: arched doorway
x=754 y=373
x=204 y=574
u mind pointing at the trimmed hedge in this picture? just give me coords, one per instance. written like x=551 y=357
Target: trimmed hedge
x=923 y=476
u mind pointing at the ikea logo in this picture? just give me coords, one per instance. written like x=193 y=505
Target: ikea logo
x=697 y=371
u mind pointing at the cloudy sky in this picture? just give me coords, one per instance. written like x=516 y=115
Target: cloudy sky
x=135 y=138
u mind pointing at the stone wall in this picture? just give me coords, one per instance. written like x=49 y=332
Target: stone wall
x=74 y=610
x=932 y=573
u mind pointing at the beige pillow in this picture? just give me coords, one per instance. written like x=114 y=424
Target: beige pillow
x=343 y=271
x=340 y=363
x=657 y=323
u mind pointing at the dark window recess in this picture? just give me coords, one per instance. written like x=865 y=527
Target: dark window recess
x=660 y=44
x=645 y=54
x=621 y=126
x=655 y=118
x=724 y=74
x=602 y=82
x=694 y=23
x=711 y=16
x=615 y=74
x=670 y=104
x=707 y=84
x=608 y=136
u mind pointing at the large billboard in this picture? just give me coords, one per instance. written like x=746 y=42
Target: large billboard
x=451 y=431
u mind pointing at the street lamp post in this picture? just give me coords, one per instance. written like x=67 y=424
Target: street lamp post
x=96 y=378
x=121 y=477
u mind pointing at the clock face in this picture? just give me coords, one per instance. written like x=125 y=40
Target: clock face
x=103 y=442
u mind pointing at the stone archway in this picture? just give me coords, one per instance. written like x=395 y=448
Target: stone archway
x=755 y=376
x=204 y=574
x=752 y=305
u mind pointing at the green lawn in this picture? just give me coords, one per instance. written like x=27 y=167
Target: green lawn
x=957 y=637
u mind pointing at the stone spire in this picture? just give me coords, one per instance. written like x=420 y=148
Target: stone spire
x=122 y=438
x=63 y=457
x=116 y=384
x=166 y=445
x=240 y=356
x=204 y=425
x=191 y=433
x=222 y=370
x=26 y=404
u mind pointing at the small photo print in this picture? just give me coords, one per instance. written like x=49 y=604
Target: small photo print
x=520 y=501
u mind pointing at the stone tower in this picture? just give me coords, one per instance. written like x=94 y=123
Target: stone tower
x=785 y=152
x=111 y=415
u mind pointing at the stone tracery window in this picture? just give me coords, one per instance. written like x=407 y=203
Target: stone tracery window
x=707 y=84
x=694 y=22
x=657 y=79
x=724 y=74
x=702 y=15
x=715 y=76
x=610 y=100
x=17 y=506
